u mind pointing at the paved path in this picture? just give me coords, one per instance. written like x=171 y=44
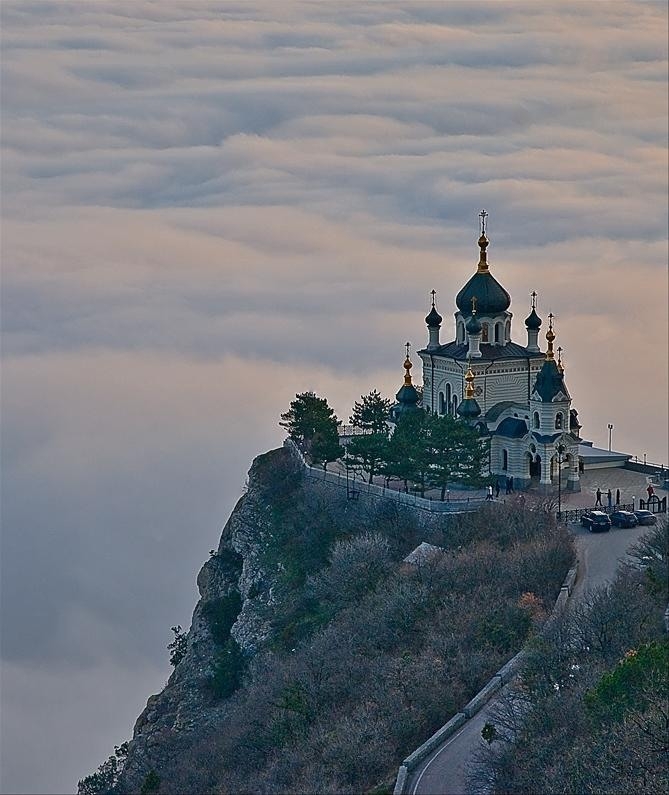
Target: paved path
x=444 y=771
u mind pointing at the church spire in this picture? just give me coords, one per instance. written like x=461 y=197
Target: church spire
x=533 y=324
x=469 y=408
x=550 y=337
x=483 y=245
x=407 y=366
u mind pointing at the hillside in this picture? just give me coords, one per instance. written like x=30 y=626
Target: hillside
x=317 y=659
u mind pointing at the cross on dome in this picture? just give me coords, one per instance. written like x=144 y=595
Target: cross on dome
x=483 y=215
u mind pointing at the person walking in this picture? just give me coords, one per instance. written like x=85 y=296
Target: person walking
x=598 y=494
x=496 y=489
x=488 y=496
x=617 y=496
x=609 y=499
x=508 y=485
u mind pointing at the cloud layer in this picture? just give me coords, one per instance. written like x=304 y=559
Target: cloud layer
x=210 y=206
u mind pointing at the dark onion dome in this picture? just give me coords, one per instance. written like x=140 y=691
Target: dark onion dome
x=407 y=399
x=533 y=321
x=469 y=409
x=512 y=428
x=473 y=325
x=491 y=297
x=434 y=318
x=550 y=382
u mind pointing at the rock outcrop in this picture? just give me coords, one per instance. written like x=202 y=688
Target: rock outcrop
x=236 y=577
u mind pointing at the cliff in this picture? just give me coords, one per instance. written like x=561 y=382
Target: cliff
x=317 y=659
x=235 y=578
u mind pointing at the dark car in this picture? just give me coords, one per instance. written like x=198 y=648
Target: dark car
x=596 y=521
x=645 y=517
x=624 y=519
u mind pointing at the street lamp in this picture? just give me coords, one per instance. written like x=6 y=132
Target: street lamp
x=560 y=450
x=610 y=427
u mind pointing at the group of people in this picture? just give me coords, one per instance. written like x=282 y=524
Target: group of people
x=495 y=489
x=609 y=496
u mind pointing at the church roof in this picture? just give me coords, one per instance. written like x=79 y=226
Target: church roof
x=455 y=350
x=550 y=382
x=491 y=297
x=512 y=427
x=499 y=408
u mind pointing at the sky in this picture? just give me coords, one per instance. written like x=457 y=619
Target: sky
x=208 y=207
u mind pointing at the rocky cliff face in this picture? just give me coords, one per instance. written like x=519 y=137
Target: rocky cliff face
x=235 y=576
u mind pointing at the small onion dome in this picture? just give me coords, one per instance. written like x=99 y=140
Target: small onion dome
x=473 y=325
x=469 y=409
x=533 y=321
x=434 y=318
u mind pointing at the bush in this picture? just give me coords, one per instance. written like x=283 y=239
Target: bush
x=228 y=671
x=221 y=614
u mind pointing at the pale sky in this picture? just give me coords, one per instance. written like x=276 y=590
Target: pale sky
x=208 y=207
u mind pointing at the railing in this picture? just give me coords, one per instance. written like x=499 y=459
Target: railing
x=654 y=504
x=355 y=487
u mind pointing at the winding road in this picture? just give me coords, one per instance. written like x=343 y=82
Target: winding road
x=444 y=771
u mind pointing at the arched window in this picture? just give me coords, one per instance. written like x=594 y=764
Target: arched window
x=455 y=405
x=461 y=332
x=448 y=399
x=558 y=421
x=535 y=420
x=505 y=460
x=498 y=332
x=485 y=333
x=442 y=403
x=508 y=331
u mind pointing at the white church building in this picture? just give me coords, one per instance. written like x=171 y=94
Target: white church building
x=513 y=392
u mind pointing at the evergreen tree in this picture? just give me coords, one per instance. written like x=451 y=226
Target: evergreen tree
x=368 y=452
x=309 y=415
x=457 y=453
x=407 y=451
x=325 y=445
x=370 y=413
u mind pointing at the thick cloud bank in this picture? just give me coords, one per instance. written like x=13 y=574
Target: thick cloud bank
x=210 y=206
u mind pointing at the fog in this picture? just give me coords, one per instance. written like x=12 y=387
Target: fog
x=208 y=207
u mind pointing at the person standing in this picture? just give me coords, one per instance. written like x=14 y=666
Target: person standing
x=650 y=490
x=511 y=483
x=617 y=496
x=496 y=489
x=609 y=499
x=598 y=494
x=488 y=496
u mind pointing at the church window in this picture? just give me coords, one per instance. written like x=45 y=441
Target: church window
x=535 y=420
x=498 y=332
x=558 y=421
x=485 y=332
x=455 y=405
x=461 y=332
x=508 y=331
x=442 y=403
x=505 y=460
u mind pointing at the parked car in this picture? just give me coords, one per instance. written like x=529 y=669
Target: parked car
x=645 y=517
x=624 y=519
x=596 y=521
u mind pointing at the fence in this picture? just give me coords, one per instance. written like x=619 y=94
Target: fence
x=654 y=504
x=356 y=487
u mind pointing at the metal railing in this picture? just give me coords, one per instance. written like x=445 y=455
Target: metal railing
x=655 y=505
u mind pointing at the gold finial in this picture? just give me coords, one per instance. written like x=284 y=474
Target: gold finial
x=550 y=336
x=483 y=245
x=469 y=378
x=407 y=367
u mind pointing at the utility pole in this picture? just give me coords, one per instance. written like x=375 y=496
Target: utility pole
x=610 y=427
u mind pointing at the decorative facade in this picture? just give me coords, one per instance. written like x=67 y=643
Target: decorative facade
x=516 y=394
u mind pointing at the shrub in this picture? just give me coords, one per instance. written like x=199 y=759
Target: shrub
x=228 y=670
x=221 y=614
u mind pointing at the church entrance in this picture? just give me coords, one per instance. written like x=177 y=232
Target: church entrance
x=535 y=468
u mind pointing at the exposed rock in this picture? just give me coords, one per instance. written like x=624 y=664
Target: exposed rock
x=236 y=567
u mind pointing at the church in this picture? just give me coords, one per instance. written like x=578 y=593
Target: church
x=513 y=392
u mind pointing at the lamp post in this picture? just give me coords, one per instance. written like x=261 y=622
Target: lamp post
x=560 y=450
x=610 y=427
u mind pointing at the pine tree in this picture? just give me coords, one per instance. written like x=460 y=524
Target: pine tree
x=309 y=415
x=407 y=452
x=370 y=413
x=368 y=452
x=456 y=452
